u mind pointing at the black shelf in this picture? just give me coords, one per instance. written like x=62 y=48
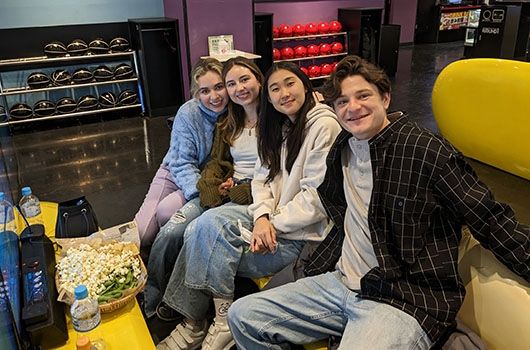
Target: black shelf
x=28 y=90
x=309 y=37
x=59 y=116
x=39 y=60
x=313 y=57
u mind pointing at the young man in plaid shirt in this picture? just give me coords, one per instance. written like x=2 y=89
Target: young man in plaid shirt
x=386 y=276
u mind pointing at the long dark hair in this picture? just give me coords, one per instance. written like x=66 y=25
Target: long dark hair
x=271 y=123
x=234 y=122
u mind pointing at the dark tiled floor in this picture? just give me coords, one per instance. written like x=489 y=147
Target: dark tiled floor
x=112 y=161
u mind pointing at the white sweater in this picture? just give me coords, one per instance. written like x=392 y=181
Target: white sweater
x=291 y=200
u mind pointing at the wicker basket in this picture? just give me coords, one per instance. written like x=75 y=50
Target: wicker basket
x=129 y=293
x=112 y=305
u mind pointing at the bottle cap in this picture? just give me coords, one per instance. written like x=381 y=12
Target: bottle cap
x=83 y=343
x=80 y=292
x=2 y=196
x=26 y=191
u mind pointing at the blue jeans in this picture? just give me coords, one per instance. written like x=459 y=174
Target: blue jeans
x=213 y=254
x=314 y=308
x=164 y=252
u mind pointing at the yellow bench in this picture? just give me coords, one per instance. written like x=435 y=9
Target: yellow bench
x=497 y=303
x=122 y=329
x=482 y=106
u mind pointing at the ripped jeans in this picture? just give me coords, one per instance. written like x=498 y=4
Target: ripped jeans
x=165 y=251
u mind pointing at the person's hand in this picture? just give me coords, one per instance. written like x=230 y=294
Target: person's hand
x=263 y=236
x=225 y=186
x=318 y=96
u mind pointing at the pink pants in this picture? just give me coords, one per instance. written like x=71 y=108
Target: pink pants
x=162 y=200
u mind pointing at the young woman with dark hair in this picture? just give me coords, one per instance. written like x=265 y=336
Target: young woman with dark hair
x=295 y=134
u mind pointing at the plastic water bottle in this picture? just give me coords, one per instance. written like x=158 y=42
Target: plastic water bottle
x=7 y=215
x=30 y=207
x=86 y=317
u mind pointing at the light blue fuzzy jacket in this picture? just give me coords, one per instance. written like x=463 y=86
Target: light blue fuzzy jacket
x=190 y=145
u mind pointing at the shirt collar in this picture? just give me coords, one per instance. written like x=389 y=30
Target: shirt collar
x=397 y=120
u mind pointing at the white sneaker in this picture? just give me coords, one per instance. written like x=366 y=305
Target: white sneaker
x=184 y=337
x=219 y=337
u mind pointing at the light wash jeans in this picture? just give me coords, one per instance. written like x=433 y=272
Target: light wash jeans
x=213 y=254
x=314 y=308
x=164 y=253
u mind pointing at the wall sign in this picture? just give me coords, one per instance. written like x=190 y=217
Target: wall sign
x=220 y=44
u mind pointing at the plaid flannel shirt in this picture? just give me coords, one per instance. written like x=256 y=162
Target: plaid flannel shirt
x=424 y=191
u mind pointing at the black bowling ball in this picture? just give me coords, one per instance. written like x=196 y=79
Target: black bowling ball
x=127 y=97
x=55 y=49
x=123 y=71
x=119 y=44
x=20 y=111
x=103 y=73
x=87 y=103
x=66 y=105
x=98 y=46
x=107 y=100
x=77 y=48
x=61 y=77
x=44 y=108
x=38 y=80
x=82 y=76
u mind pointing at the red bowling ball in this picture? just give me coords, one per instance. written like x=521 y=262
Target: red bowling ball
x=275 y=32
x=324 y=49
x=314 y=71
x=304 y=69
x=276 y=54
x=285 y=30
x=300 y=51
x=337 y=47
x=312 y=50
x=333 y=65
x=287 y=53
x=323 y=28
x=335 y=27
x=311 y=29
x=326 y=69
x=298 y=30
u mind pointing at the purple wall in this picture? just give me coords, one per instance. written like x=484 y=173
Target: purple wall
x=215 y=17
x=403 y=12
x=312 y=11
x=210 y=17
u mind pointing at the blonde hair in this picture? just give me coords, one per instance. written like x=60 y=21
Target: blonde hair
x=201 y=68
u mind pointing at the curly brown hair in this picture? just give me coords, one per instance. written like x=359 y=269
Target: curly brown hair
x=354 y=65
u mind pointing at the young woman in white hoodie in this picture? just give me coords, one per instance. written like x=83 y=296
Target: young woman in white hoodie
x=294 y=137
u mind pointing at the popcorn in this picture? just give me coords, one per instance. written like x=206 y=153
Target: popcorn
x=93 y=267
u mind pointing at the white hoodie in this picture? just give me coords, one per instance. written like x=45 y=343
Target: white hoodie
x=291 y=200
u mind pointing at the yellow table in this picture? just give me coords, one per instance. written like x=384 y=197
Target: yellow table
x=122 y=329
